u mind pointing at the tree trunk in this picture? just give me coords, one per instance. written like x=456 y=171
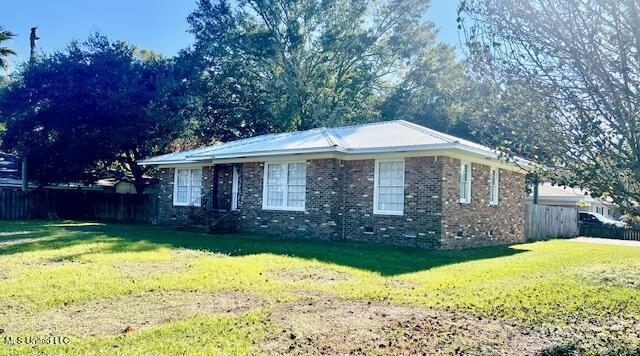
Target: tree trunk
x=138 y=178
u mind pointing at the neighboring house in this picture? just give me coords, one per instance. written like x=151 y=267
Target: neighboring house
x=122 y=183
x=391 y=182
x=10 y=176
x=549 y=194
x=117 y=185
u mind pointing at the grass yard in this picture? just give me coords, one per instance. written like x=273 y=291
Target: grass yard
x=128 y=289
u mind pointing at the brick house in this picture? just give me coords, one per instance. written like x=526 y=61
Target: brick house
x=391 y=182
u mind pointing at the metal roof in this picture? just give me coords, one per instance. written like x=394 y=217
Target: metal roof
x=380 y=137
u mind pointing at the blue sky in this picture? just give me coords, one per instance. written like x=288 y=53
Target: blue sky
x=159 y=25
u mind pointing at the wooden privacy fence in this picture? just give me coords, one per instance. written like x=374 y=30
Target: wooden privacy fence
x=544 y=221
x=610 y=233
x=76 y=204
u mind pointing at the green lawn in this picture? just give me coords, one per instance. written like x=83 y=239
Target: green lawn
x=131 y=289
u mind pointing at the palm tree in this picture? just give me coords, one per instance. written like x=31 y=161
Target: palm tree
x=5 y=51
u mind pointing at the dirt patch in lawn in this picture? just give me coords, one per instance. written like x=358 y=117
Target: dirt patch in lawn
x=137 y=269
x=133 y=312
x=400 y=284
x=310 y=275
x=192 y=253
x=613 y=276
x=612 y=335
x=48 y=262
x=333 y=326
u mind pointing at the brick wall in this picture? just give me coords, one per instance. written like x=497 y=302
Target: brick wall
x=420 y=224
x=167 y=213
x=339 y=204
x=319 y=220
x=479 y=223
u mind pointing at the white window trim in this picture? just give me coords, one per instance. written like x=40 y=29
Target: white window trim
x=494 y=200
x=175 y=187
x=468 y=188
x=264 y=188
x=375 y=188
x=234 y=188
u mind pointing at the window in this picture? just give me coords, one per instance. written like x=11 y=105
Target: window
x=388 y=195
x=494 y=186
x=465 y=182
x=234 y=189
x=187 y=187
x=284 y=186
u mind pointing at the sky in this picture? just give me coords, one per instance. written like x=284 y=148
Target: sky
x=159 y=25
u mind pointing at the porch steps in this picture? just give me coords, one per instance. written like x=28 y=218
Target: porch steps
x=210 y=222
x=194 y=228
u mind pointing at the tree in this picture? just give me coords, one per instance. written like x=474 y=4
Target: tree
x=96 y=104
x=5 y=51
x=223 y=98
x=312 y=63
x=434 y=93
x=577 y=63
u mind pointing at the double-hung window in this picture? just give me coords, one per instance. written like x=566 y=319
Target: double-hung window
x=494 y=186
x=388 y=195
x=285 y=186
x=465 y=182
x=187 y=187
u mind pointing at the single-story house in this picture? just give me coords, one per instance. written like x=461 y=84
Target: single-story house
x=555 y=195
x=391 y=182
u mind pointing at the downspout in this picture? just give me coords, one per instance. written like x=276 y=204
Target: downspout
x=344 y=198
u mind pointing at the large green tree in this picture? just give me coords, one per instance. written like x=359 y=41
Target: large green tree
x=312 y=63
x=435 y=93
x=221 y=89
x=98 y=103
x=578 y=63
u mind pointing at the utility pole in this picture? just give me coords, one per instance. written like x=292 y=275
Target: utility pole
x=32 y=41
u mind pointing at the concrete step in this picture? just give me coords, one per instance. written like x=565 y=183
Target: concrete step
x=194 y=228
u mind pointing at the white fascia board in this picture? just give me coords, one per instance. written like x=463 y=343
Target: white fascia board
x=352 y=151
x=145 y=162
x=455 y=150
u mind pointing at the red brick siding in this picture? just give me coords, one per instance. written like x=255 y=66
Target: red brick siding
x=318 y=220
x=339 y=204
x=420 y=223
x=167 y=213
x=468 y=225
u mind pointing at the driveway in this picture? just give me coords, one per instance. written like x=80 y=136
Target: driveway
x=597 y=240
